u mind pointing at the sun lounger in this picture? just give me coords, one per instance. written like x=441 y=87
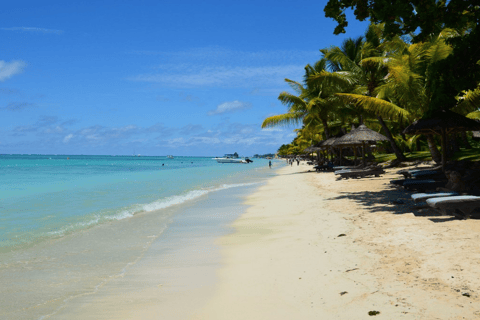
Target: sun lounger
x=359 y=173
x=323 y=168
x=398 y=182
x=347 y=167
x=428 y=175
x=407 y=173
x=423 y=185
x=421 y=197
x=419 y=184
x=459 y=206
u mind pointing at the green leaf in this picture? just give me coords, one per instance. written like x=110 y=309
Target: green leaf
x=378 y=106
x=283 y=119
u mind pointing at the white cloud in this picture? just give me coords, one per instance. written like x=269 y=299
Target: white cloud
x=8 y=69
x=223 y=76
x=227 y=56
x=33 y=29
x=231 y=106
x=273 y=129
x=222 y=67
x=67 y=138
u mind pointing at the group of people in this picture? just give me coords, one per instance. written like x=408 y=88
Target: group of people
x=291 y=161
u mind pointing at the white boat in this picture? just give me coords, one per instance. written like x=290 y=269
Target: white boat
x=170 y=157
x=230 y=158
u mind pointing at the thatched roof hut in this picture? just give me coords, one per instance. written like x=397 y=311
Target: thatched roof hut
x=359 y=136
x=443 y=122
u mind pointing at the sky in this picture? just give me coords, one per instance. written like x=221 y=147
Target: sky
x=187 y=78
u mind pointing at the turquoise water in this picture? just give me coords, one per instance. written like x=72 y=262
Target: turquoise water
x=77 y=231
x=50 y=196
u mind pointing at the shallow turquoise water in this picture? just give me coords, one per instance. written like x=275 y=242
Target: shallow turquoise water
x=48 y=196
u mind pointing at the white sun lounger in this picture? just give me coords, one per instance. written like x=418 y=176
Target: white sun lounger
x=419 y=197
x=460 y=206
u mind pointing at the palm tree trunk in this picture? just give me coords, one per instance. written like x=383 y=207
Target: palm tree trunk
x=395 y=148
x=436 y=156
x=325 y=128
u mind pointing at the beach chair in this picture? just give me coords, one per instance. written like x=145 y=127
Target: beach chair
x=422 y=197
x=347 y=167
x=326 y=167
x=322 y=168
x=459 y=206
x=423 y=185
x=407 y=173
x=344 y=174
x=398 y=182
x=428 y=174
x=419 y=184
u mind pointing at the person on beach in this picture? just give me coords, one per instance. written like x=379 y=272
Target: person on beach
x=270 y=164
x=298 y=162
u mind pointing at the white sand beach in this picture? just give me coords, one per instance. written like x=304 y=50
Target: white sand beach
x=311 y=247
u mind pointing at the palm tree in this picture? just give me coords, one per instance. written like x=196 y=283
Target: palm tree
x=312 y=106
x=363 y=66
x=407 y=90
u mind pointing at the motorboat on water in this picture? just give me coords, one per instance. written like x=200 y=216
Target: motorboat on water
x=170 y=157
x=230 y=158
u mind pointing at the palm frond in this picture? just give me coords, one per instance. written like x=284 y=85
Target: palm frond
x=438 y=51
x=292 y=101
x=336 y=55
x=297 y=87
x=448 y=33
x=381 y=107
x=469 y=101
x=474 y=115
x=285 y=119
x=374 y=62
x=331 y=79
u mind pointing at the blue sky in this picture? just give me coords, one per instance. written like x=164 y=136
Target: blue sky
x=153 y=77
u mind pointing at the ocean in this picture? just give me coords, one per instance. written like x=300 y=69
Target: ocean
x=70 y=225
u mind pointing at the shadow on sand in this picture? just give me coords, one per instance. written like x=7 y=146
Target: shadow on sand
x=395 y=201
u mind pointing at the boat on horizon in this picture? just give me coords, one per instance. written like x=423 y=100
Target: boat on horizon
x=170 y=157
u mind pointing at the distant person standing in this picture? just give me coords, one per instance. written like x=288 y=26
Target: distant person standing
x=270 y=164
x=298 y=162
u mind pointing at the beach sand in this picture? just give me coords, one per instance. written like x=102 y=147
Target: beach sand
x=311 y=247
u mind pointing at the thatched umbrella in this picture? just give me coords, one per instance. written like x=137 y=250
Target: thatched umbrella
x=309 y=151
x=443 y=122
x=328 y=144
x=317 y=147
x=360 y=136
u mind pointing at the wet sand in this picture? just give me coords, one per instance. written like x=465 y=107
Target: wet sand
x=311 y=247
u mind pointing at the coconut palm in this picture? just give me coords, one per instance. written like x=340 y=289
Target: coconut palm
x=312 y=106
x=366 y=69
x=406 y=93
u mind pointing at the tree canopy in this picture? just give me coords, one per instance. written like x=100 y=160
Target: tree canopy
x=407 y=16
x=422 y=21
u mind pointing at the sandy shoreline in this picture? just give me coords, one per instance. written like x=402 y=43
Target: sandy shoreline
x=310 y=247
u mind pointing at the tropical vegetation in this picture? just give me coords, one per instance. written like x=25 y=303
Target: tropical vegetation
x=398 y=72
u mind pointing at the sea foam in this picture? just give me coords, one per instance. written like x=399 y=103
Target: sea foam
x=157 y=205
